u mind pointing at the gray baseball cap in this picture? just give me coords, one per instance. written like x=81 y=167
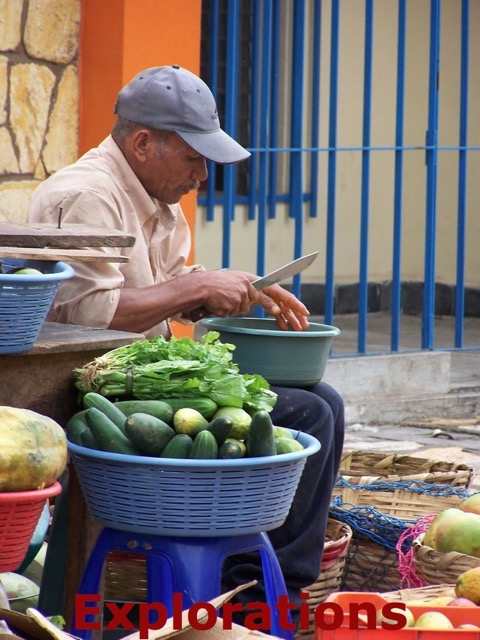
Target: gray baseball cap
x=174 y=99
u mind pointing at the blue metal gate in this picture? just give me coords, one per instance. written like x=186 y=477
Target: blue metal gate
x=253 y=50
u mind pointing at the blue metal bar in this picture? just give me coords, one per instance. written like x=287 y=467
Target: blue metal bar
x=398 y=188
x=296 y=133
x=315 y=109
x=462 y=177
x=254 y=115
x=365 y=195
x=266 y=6
x=274 y=109
x=231 y=101
x=432 y=160
x=332 y=165
x=212 y=82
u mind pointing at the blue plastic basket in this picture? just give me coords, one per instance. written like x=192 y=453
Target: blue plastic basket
x=164 y=496
x=25 y=301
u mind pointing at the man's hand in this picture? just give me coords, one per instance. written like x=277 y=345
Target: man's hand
x=285 y=307
x=230 y=292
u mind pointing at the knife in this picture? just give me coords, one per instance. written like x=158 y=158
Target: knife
x=290 y=269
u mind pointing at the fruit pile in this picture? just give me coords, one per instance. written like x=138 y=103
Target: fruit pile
x=181 y=428
x=467 y=595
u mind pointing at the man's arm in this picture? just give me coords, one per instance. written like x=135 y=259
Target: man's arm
x=222 y=293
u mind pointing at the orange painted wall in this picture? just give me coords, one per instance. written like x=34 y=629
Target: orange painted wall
x=118 y=39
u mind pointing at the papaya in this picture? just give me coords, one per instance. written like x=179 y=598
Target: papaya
x=33 y=450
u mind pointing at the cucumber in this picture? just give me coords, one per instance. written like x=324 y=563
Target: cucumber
x=92 y=399
x=76 y=426
x=189 y=421
x=241 y=420
x=221 y=428
x=179 y=446
x=232 y=448
x=287 y=445
x=205 y=406
x=204 y=446
x=106 y=433
x=149 y=434
x=158 y=408
x=260 y=437
x=87 y=439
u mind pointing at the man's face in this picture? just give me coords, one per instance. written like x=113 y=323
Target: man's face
x=171 y=169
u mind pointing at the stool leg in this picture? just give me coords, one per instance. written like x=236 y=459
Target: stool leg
x=274 y=587
x=90 y=583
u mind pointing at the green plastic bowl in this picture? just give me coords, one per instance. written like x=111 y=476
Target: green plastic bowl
x=286 y=358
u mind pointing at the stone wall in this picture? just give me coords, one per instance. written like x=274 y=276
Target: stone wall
x=39 y=96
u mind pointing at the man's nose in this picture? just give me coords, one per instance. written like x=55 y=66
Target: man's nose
x=201 y=171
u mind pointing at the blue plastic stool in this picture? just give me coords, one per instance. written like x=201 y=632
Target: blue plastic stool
x=190 y=566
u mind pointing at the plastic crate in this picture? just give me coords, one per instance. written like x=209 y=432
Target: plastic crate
x=343 y=601
x=20 y=512
x=184 y=497
x=25 y=301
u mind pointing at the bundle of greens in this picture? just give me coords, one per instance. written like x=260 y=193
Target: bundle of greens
x=177 y=368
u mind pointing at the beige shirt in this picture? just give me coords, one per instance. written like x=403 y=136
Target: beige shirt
x=101 y=189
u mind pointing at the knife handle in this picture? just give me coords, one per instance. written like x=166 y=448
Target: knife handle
x=199 y=313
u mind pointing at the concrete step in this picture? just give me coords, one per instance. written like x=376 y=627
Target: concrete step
x=394 y=388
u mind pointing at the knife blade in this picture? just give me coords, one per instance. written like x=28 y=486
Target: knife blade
x=288 y=270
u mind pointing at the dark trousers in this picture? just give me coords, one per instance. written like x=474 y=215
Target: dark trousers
x=319 y=411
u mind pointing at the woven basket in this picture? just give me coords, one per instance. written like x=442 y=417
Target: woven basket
x=393 y=499
x=369 y=566
x=434 y=567
x=125 y=577
x=423 y=594
x=335 y=551
x=380 y=496
x=364 y=467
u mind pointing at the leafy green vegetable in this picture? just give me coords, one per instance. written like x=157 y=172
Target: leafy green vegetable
x=180 y=367
x=58 y=621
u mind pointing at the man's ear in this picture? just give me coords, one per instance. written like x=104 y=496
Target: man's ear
x=139 y=143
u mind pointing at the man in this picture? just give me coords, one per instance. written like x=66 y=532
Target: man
x=166 y=129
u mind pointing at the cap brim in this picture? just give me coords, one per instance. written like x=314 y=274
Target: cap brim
x=215 y=145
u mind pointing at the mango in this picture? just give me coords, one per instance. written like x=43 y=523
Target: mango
x=471 y=504
x=459 y=533
x=468 y=585
x=429 y=538
x=461 y=602
x=439 y=601
x=433 y=620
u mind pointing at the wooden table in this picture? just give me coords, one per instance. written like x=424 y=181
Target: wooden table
x=41 y=380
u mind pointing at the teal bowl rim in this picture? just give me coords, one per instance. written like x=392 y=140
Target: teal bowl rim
x=217 y=324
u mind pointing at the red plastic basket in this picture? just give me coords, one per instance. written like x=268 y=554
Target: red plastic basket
x=19 y=514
